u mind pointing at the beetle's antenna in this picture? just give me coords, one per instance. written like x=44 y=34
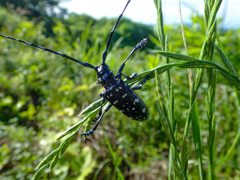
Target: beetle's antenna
x=112 y=32
x=138 y=46
x=51 y=51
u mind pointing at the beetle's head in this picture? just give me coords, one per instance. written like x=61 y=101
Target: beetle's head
x=104 y=74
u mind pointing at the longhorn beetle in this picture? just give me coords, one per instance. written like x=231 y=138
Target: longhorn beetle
x=116 y=91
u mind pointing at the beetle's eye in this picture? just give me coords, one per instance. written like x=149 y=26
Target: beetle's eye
x=104 y=77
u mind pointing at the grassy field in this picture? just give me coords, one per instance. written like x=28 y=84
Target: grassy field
x=193 y=97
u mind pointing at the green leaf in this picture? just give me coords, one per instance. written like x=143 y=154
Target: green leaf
x=47 y=159
x=233 y=80
x=71 y=129
x=177 y=169
x=77 y=126
x=196 y=130
x=184 y=155
x=231 y=149
x=174 y=55
x=91 y=107
x=54 y=162
x=64 y=145
x=39 y=172
x=227 y=63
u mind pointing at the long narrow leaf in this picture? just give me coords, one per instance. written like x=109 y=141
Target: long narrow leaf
x=227 y=63
x=77 y=126
x=196 y=130
x=47 y=159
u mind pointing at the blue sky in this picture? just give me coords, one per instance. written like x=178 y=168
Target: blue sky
x=144 y=10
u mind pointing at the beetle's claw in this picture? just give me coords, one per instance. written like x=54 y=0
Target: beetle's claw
x=87 y=133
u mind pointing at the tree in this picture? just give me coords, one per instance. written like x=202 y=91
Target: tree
x=37 y=10
x=32 y=8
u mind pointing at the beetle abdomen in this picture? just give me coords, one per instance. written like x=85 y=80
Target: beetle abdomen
x=125 y=100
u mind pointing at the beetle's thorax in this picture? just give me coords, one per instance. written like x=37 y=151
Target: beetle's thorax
x=105 y=75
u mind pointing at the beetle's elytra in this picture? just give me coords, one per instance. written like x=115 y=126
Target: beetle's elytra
x=116 y=91
x=120 y=95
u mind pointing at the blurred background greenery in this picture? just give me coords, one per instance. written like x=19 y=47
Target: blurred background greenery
x=41 y=94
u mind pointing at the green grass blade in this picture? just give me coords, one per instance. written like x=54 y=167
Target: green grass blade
x=54 y=162
x=213 y=14
x=71 y=129
x=211 y=163
x=196 y=63
x=236 y=142
x=196 y=130
x=116 y=159
x=170 y=165
x=77 y=126
x=100 y=167
x=64 y=145
x=39 y=173
x=184 y=155
x=91 y=107
x=47 y=159
x=176 y=56
x=160 y=25
x=227 y=63
x=178 y=169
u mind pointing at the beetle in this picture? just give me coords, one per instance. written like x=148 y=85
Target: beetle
x=117 y=92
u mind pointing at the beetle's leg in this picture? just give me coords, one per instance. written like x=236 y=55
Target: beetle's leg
x=142 y=82
x=97 y=123
x=130 y=77
x=138 y=46
x=100 y=112
x=112 y=32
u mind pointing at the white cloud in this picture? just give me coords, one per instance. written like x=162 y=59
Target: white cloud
x=144 y=10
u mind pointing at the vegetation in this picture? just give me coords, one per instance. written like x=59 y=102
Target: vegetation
x=193 y=130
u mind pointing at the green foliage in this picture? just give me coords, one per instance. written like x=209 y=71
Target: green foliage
x=44 y=11
x=41 y=94
x=207 y=52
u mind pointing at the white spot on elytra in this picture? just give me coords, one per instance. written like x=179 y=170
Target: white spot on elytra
x=133 y=108
x=117 y=90
x=123 y=96
x=120 y=87
x=144 y=110
x=115 y=102
x=136 y=100
x=111 y=94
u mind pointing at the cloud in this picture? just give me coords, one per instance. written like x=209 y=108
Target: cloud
x=144 y=10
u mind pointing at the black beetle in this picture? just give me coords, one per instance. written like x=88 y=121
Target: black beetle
x=116 y=91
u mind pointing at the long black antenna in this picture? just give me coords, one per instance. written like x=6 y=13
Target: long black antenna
x=51 y=51
x=112 y=32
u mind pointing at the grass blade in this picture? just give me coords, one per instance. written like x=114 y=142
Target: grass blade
x=196 y=130
x=39 y=172
x=227 y=63
x=231 y=149
x=47 y=159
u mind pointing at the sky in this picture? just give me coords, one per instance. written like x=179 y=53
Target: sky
x=144 y=11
